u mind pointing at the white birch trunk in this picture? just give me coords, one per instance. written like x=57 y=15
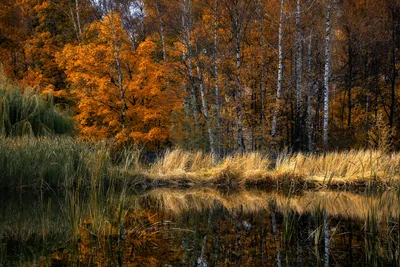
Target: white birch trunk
x=326 y=75
x=187 y=13
x=184 y=58
x=160 y=20
x=205 y=111
x=78 y=18
x=78 y=37
x=280 y=73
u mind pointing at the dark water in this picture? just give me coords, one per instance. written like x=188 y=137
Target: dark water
x=205 y=227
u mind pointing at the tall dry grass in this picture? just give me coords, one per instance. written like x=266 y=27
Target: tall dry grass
x=64 y=161
x=335 y=168
x=356 y=166
x=198 y=167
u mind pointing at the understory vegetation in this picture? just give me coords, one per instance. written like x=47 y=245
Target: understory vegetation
x=66 y=162
x=27 y=112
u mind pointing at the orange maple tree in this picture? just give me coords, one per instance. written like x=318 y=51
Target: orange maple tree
x=121 y=92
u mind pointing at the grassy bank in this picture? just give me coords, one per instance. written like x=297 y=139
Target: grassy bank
x=67 y=162
x=350 y=169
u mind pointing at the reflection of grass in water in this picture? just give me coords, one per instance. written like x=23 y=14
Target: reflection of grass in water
x=113 y=227
x=29 y=227
x=354 y=206
x=377 y=225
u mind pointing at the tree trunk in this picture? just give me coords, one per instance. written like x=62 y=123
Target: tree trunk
x=394 y=72
x=160 y=20
x=119 y=72
x=262 y=65
x=216 y=73
x=205 y=111
x=326 y=75
x=309 y=97
x=298 y=74
x=78 y=36
x=78 y=18
x=186 y=39
x=349 y=80
x=280 y=73
x=239 y=104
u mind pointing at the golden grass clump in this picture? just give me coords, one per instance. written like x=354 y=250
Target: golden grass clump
x=362 y=167
x=352 y=166
x=200 y=167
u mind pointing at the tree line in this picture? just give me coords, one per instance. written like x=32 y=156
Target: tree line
x=219 y=75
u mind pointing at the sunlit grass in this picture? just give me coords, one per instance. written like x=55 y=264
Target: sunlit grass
x=68 y=162
x=351 y=168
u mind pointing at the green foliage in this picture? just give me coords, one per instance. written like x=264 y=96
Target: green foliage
x=27 y=113
x=38 y=162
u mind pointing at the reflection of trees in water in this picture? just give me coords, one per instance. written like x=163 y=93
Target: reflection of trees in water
x=210 y=228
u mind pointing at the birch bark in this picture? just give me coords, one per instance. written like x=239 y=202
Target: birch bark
x=280 y=73
x=326 y=75
x=205 y=111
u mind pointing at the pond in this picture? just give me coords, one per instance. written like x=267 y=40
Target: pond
x=199 y=227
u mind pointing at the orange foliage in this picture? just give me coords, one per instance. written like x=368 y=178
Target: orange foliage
x=93 y=74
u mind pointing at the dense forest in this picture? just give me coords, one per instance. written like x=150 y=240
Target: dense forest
x=218 y=75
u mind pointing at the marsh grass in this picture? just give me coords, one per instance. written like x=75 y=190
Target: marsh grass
x=51 y=162
x=198 y=167
x=27 y=112
x=67 y=162
x=338 y=169
x=363 y=166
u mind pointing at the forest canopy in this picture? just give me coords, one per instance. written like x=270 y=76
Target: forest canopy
x=218 y=75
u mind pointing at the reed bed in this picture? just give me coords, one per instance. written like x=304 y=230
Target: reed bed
x=200 y=168
x=27 y=112
x=344 y=169
x=54 y=162
x=356 y=166
x=65 y=161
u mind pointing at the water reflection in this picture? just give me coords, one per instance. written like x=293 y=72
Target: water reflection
x=200 y=227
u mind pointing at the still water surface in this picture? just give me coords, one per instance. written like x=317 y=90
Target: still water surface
x=200 y=227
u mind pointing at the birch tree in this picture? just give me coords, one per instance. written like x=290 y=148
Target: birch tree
x=188 y=58
x=205 y=110
x=326 y=74
x=280 y=72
